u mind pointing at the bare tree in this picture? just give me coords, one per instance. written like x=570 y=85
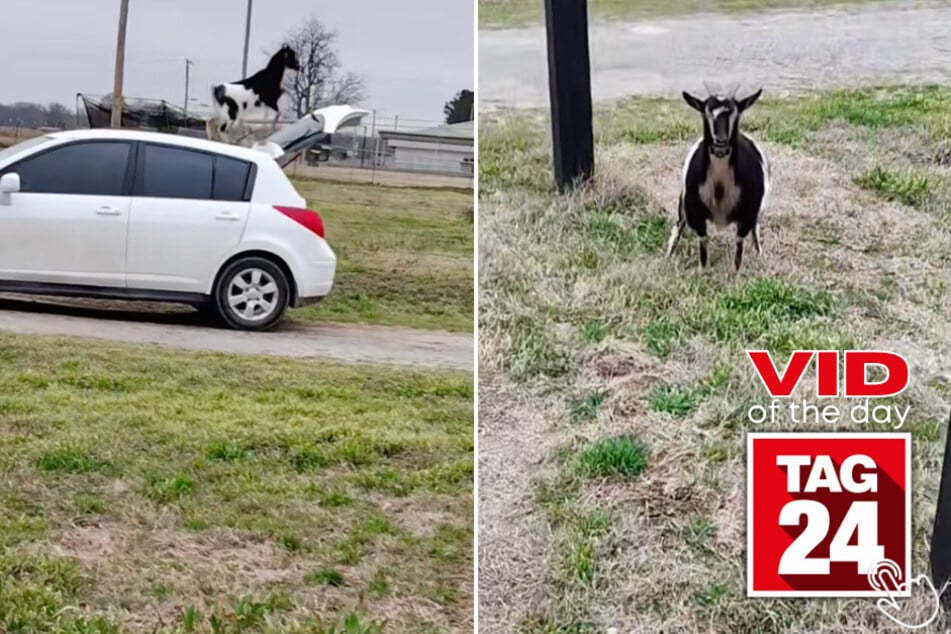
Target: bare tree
x=320 y=80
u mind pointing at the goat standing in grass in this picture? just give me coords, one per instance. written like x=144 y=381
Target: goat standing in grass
x=251 y=102
x=725 y=176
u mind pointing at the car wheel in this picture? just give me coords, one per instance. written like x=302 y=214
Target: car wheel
x=252 y=294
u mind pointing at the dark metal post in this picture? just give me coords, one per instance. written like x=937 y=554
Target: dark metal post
x=941 y=536
x=569 y=85
x=188 y=64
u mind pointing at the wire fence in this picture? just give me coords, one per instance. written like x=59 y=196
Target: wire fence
x=385 y=148
x=393 y=143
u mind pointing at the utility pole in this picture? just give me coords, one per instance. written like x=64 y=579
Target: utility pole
x=247 y=39
x=120 y=66
x=188 y=64
x=569 y=86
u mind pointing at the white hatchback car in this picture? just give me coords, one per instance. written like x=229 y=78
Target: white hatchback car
x=124 y=214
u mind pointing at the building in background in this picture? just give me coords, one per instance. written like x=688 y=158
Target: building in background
x=445 y=149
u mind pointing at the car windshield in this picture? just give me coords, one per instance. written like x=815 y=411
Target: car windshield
x=22 y=145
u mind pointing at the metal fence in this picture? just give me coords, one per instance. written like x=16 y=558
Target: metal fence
x=362 y=154
x=355 y=154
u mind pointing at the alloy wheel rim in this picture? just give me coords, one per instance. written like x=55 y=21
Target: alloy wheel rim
x=253 y=294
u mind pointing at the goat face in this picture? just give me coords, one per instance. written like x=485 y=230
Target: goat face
x=289 y=57
x=721 y=118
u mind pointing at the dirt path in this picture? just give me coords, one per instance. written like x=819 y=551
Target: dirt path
x=787 y=51
x=338 y=342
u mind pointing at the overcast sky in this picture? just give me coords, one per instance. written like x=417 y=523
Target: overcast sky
x=413 y=54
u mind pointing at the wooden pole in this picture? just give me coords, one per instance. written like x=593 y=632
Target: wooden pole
x=569 y=86
x=188 y=64
x=941 y=536
x=247 y=39
x=120 y=65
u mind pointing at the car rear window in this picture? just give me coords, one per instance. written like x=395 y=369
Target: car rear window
x=231 y=178
x=171 y=172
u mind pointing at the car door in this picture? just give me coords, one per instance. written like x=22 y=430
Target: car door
x=189 y=208
x=67 y=224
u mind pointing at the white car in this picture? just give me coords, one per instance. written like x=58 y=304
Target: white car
x=124 y=214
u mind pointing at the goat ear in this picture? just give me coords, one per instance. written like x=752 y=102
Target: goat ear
x=693 y=102
x=743 y=104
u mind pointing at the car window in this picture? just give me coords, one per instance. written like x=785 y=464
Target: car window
x=176 y=173
x=15 y=149
x=231 y=176
x=93 y=168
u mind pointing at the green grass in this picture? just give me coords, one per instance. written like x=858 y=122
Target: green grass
x=325 y=577
x=515 y=13
x=585 y=410
x=515 y=150
x=624 y=456
x=195 y=469
x=674 y=401
x=404 y=255
x=913 y=190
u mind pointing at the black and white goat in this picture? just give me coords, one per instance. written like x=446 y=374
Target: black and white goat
x=252 y=102
x=725 y=176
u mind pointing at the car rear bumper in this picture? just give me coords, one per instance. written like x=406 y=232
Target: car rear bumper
x=308 y=301
x=316 y=282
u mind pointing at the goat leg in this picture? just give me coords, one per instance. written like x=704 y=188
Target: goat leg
x=211 y=129
x=741 y=232
x=675 y=234
x=678 y=229
x=699 y=227
x=755 y=233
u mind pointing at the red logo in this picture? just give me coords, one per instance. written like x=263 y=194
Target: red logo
x=826 y=511
x=855 y=377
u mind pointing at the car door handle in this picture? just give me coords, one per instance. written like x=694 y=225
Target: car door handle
x=227 y=215
x=107 y=211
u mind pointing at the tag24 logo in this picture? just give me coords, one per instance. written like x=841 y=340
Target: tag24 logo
x=824 y=509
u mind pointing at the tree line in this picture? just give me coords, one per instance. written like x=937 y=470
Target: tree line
x=25 y=114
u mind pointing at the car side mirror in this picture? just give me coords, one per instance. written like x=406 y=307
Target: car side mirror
x=9 y=183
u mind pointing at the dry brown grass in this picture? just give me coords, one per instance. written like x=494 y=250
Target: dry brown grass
x=10 y=136
x=583 y=323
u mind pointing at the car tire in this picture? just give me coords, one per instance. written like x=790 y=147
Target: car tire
x=251 y=293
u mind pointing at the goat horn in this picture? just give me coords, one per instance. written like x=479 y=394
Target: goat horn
x=710 y=91
x=734 y=89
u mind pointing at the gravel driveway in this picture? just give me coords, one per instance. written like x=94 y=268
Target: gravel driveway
x=787 y=51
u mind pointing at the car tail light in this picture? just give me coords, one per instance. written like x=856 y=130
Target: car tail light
x=307 y=218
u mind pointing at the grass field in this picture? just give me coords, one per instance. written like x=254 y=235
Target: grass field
x=154 y=491
x=613 y=383
x=516 y=13
x=405 y=255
